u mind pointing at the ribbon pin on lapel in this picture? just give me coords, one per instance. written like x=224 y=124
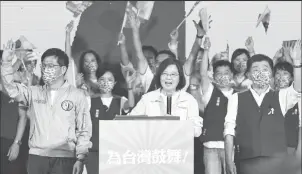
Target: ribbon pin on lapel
x=271 y=112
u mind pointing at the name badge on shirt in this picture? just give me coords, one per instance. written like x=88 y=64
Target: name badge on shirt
x=218 y=101
x=271 y=112
x=97 y=113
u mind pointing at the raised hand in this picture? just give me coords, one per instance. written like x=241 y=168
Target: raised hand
x=69 y=27
x=295 y=52
x=8 y=51
x=174 y=35
x=249 y=43
x=79 y=79
x=279 y=53
x=130 y=76
x=122 y=38
x=286 y=50
x=134 y=21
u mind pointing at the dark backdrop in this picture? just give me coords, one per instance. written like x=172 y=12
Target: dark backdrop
x=100 y=24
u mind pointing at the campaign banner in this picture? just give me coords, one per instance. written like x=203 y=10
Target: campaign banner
x=146 y=146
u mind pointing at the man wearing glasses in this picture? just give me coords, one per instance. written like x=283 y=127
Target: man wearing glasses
x=60 y=123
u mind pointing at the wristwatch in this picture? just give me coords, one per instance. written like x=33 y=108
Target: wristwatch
x=17 y=142
x=199 y=37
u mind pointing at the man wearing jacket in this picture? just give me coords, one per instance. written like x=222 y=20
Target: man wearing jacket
x=60 y=123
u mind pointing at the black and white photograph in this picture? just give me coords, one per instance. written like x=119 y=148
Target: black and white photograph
x=150 y=87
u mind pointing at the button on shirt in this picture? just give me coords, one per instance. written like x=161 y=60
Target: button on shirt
x=288 y=97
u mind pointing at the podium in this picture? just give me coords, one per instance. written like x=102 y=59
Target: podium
x=146 y=146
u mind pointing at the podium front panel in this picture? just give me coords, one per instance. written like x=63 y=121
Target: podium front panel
x=146 y=147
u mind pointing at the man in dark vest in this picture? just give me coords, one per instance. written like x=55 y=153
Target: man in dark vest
x=257 y=117
x=215 y=97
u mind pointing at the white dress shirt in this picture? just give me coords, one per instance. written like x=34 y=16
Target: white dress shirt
x=206 y=98
x=288 y=97
x=184 y=105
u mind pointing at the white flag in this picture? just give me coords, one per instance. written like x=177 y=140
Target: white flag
x=126 y=21
x=144 y=9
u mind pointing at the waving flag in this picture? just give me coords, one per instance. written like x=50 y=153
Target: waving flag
x=77 y=9
x=264 y=18
x=144 y=9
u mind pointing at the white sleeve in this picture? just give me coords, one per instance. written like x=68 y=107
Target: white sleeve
x=288 y=98
x=230 y=118
x=140 y=108
x=146 y=78
x=193 y=114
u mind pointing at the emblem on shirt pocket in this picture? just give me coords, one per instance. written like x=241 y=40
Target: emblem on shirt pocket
x=67 y=105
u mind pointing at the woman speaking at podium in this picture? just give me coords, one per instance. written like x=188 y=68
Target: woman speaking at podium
x=170 y=99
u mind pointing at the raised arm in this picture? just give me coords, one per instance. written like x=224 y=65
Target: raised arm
x=124 y=53
x=295 y=54
x=72 y=70
x=173 y=44
x=130 y=77
x=188 y=66
x=249 y=43
x=18 y=92
x=142 y=61
x=205 y=80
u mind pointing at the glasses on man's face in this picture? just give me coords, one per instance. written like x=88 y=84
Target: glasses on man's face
x=43 y=66
x=173 y=75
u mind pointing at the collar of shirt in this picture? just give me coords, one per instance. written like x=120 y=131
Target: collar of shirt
x=228 y=93
x=259 y=98
x=65 y=85
x=160 y=96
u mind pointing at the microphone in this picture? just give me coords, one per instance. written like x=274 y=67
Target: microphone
x=169 y=103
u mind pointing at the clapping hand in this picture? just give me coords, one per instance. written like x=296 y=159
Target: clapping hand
x=200 y=30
